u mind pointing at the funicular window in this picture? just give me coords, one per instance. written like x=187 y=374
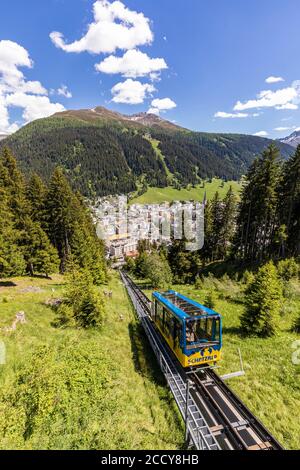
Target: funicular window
x=177 y=332
x=168 y=323
x=159 y=314
x=203 y=330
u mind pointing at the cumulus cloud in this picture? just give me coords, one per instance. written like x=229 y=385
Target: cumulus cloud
x=133 y=64
x=161 y=105
x=131 y=92
x=114 y=27
x=35 y=107
x=261 y=134
x=285 y=98
x=16 y=91
x=273 y=79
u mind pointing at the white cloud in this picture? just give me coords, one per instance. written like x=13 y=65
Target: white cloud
x=285 y=98
x=285 y=129
x=161 y=105
x=133 y=64
x=16 y=91
x=282 y=129
x=131 y=92
x=114 y=27
x=35 y=107
x=153 y=111
x=273 y=79
x=261 y=134
x=290 y=106
x=63 y=91
x=223 y=115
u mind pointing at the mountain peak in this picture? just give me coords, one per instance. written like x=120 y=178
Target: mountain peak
x=293 y=140
x=99 y=112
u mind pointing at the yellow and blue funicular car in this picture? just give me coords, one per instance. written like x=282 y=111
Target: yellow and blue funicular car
x=192 y=331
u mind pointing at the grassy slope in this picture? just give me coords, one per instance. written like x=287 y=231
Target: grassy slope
x=271 y=386
x=158 y=195
x=148 y=418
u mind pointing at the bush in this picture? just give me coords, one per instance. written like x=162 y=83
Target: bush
x=210 y=300
x=263 y=303
x=296 y=326
x=288 y=269
x=83 y=305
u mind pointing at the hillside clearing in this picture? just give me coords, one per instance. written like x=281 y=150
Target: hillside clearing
x=143 y=413
x=170 y=194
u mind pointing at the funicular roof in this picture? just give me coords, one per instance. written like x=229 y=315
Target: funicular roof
x=183 y=307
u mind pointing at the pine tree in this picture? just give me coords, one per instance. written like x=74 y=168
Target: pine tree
x=257 y=221
x=263 y=303
x=289 y=204
x=40 y=256
x=60 y=215
x=216 y=213
x=12 y=179
x=36 y=195
x=228 y=223
x=11 y=258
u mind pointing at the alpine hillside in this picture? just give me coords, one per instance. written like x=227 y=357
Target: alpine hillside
x=293 y=139
x=104 y=152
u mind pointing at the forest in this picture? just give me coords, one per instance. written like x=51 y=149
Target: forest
x=103 y=157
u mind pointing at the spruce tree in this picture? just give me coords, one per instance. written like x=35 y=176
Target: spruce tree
x=228 y=224
x=60 y=215
x=289 y=204
x=11 y=258
x=40 y=256
x=257 y=221
x=36 y=195
x=263 y=303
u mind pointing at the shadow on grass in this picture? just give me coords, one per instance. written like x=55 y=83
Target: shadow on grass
x=7 y=284
x=233 y=330
x=145 y=362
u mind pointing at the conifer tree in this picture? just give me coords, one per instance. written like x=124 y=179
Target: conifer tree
x=40 y=256
x=263 y=303
x=60 y=215
x=289 y=204
x=257 y=222
x=11 y=258
x=228 y=222
x=36 y=195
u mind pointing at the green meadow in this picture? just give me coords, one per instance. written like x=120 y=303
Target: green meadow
x=170 y=194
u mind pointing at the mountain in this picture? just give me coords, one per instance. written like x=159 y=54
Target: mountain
x=3 y=136
x=293 y=140
x=104 y=152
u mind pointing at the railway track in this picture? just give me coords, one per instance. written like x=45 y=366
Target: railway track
x=232 y=425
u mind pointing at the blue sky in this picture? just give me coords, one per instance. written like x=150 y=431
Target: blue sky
x=203 y=64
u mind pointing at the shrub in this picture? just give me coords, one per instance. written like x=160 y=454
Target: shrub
x=288 y=269
x=210 y=300
x=296 y=326
x=83 y=305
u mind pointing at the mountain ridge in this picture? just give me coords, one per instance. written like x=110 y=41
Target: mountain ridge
x=293 y=139
x=104 y=152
